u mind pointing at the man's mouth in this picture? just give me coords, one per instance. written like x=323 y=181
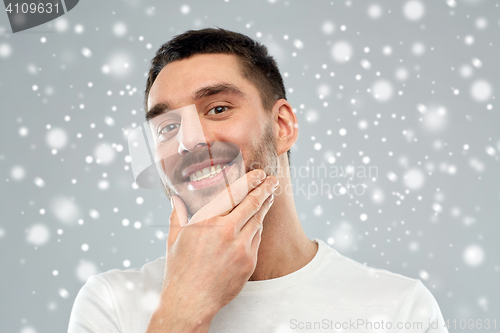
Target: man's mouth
x=208 y=172
x=207 y=169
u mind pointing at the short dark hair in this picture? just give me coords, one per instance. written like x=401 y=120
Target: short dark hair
x=257 y=65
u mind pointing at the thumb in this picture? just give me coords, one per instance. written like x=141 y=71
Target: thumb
x=178 y=219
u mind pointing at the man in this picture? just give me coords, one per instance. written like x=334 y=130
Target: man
x=237 y=257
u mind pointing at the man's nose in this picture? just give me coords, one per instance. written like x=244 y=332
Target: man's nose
x=190 y=133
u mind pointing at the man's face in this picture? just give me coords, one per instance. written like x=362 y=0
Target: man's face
x=214 y=129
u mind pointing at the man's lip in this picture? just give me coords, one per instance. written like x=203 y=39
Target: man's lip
x=200 y=166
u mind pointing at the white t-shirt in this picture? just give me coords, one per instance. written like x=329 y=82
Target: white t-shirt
x=332 y=293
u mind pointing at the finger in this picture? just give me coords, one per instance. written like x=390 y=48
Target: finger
x=254 y=246
x=259 y=216
x=178 y=219
x=250 y=233
x=253 y=202
x=229 y=198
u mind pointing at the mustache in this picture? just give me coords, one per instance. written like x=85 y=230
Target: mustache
x=210 y=151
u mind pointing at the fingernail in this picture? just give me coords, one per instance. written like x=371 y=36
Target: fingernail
x=262 y=176
x=277 y=184
x=172 y=202
x=270 y=199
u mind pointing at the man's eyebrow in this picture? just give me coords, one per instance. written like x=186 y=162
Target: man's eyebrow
x=226 y=88
x=156 y=110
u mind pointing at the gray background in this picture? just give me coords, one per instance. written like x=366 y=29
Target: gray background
x=432 y=211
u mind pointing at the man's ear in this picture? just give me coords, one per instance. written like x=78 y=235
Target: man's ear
x=286 y=123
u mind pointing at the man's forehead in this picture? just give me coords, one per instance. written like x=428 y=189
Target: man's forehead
x=200 y=67
x=183 y=79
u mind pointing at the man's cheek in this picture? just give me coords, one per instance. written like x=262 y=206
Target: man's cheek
x=169 y=172
x=163 y=166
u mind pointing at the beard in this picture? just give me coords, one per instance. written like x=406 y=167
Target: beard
x=263 y=155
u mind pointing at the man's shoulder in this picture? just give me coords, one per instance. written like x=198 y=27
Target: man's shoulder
x=346 y=270
x=111 y=297
x=149 y=276
x=370 y=288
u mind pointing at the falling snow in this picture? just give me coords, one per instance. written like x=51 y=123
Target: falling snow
x=408 y=88
x=342 y=51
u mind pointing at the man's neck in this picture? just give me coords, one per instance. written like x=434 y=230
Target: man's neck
x=284 y=247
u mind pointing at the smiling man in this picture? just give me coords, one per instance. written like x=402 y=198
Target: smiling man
x=237 y=258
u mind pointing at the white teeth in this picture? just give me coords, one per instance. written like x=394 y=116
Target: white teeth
x=206 y=173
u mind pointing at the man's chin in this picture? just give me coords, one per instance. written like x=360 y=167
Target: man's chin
x=196 y=198
x=201 y=197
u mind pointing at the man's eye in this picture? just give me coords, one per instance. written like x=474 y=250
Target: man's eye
x=217 y=110
x=168 y=128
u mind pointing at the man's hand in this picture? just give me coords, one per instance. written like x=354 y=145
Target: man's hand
x=210 y=259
